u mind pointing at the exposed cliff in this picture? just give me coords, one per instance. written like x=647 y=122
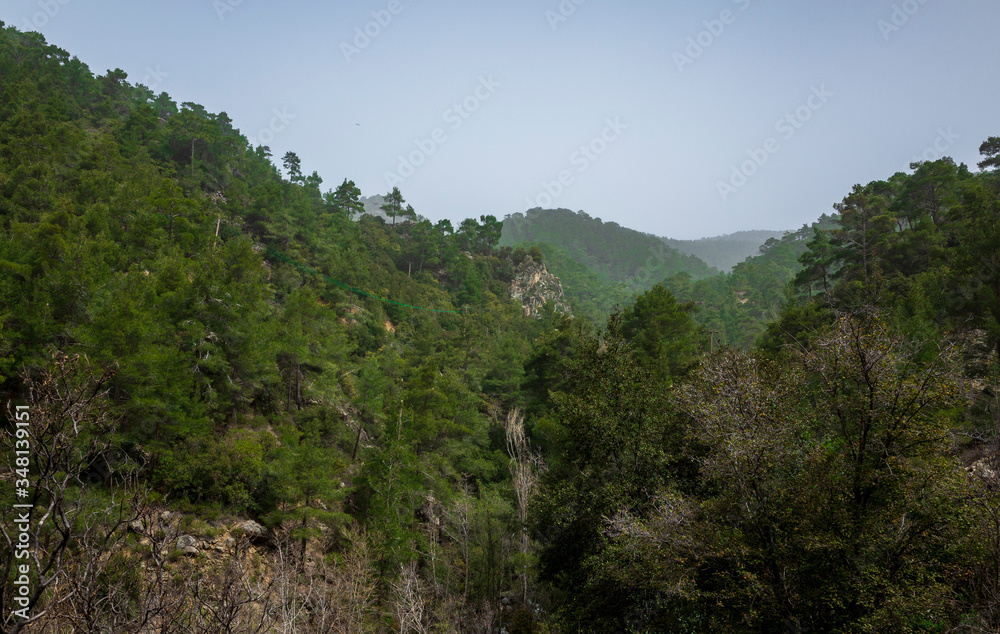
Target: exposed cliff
x=533 y=286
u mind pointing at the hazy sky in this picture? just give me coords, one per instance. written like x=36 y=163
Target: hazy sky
x=683 y=119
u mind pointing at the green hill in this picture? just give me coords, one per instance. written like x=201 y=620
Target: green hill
x=590 y=294
x=725 y=252
x=600 y=263
x=618 y=253
x=738 y=305
x=233 y=407
x=190 y=330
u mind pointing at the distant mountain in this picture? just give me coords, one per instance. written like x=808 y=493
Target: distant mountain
x=637 y=259
x=737 y=306
x=601 y=264
x=725 y=252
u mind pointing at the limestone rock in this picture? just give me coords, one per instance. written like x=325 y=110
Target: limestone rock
x=988 y=470
x=534 y=286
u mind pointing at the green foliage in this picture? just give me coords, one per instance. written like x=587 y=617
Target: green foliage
x=601 y=264
x=661 y=329
x=811 y=485
x=737 y=307
x=590 y=294
x=615 y=447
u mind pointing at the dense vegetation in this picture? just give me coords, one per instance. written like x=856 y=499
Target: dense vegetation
x=725 y=252
x=591 y=294
x=616 y=253
x=736 y=307
x=195 y=332
x=150 y=240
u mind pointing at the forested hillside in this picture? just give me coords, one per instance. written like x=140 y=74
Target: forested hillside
x=245 y=411
x=737 y=306
x=610 y=250
x=253 y=351
x=592 y=294
x=725 y=252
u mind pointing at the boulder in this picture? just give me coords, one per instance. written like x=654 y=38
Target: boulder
x=187 y=541
x=252 y=529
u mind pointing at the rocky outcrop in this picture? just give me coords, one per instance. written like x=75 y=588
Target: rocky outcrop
x=987 y=470
x=534 y=286
x=253 y=530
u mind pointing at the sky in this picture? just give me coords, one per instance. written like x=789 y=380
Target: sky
x=681 y=119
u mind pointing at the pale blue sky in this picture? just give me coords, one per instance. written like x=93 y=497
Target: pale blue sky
x=665 y=133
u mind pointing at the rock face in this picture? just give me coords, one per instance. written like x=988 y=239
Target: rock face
x=988 y=470
x=533 y=286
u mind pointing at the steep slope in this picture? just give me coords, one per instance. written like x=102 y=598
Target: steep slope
x=243 y=345
x=591 y=294
x=535 y=287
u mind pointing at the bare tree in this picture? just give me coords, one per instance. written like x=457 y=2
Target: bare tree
x=68 y=543
x=408 y=601
x=351 y=586
x=525 y=468
x=295 y=589
x=233 y=598
x=458 y=528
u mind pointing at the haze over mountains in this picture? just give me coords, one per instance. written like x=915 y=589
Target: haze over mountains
x=243 y=404
x=725 y=251
x=721 y=252
x=577 y=233
x=623 y=254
